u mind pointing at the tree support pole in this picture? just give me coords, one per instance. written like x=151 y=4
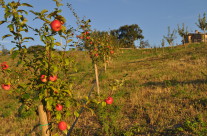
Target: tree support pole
x=43 y=121
x=97 y=81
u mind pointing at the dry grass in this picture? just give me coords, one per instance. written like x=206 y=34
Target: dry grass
x=163 y=94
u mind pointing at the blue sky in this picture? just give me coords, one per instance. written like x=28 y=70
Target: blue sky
x=153 y=16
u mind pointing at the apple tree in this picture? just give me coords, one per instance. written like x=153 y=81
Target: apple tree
x=47 y=84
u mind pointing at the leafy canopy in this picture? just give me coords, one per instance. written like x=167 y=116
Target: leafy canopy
x=127 y=34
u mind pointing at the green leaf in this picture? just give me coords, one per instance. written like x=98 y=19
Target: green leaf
x=76 y=114
x=55 y=69
x=94 y=101
x=67 y=104
x=41 y=96
x=67 y=62
x=26 y=4
x=19 y=62
x=1 y=22
x=5 y=36
x=49 y=102
x=68 y=41
x=43 y=11
x=68 y=113
x=54 y=89
x=58 y=44
x=11 y=27
x=25 y=96
x=68 y=91
x=14 y=53
x=103 y=104
x=21 y=11
x=28 y=38
x=58 y=116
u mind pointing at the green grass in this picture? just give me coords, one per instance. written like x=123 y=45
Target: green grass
x=157 y=93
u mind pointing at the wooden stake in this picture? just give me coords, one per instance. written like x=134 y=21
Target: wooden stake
x=105 y=66
x=43 y=121
x=104 y=63
x=97 y=81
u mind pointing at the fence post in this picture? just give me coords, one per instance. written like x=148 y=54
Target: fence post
x=43 y=121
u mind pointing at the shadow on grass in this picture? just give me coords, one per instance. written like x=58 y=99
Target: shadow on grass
x=168 y=83
x=148 y=59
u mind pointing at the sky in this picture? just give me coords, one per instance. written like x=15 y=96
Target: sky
x=152 y=16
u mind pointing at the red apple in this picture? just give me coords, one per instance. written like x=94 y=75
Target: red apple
x=58 y=107
x=96 y=55
x=112 y=52
x=86 y=32
x=81 y=37
x=62 y=125
x=43 y=78
x=88 y=37
x=5 y=86
x=56 y=25
x=109 y=100
x=4 y=65
x=52 y=78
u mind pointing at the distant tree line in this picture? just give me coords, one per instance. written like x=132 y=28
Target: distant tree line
x=4 y=51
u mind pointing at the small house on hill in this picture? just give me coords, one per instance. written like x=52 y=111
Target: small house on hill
x=196 y=37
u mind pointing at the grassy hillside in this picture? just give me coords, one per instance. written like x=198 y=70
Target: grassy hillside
x=158 y=92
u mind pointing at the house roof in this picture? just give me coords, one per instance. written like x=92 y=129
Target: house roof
x=199 y=33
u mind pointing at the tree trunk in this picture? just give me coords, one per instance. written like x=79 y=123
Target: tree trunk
x=43 y=121
x=97 y=80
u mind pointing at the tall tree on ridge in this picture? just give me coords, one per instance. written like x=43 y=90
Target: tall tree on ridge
x=127 y=34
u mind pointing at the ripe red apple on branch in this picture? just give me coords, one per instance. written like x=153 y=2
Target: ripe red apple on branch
x=96 y=55
x=59 y=107
x=109 y=100
x=43 y=78
x=112 y=52
x=56 y=25
x=53 y=78
x=86 y=33
x=4 y=66
x=62 y=125
x=6 y=86
x=88 y=37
